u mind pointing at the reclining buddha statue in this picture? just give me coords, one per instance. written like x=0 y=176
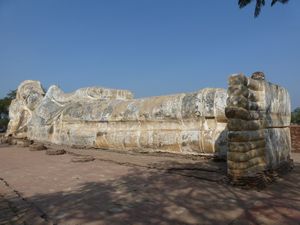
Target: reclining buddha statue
x=248 y=124
x=189 y=123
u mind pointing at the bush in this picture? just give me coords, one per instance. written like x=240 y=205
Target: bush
x=4 y=108
x=296 y=116
x=3 y=124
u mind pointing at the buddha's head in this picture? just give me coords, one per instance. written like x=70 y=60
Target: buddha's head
x=29 y=95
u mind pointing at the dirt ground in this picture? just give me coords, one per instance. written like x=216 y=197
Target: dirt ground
x=118 y=188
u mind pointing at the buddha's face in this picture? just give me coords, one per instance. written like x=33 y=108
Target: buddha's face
x=30 y=93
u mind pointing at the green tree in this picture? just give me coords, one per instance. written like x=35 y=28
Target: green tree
x=4 y=108
x=12 y=94
x=259 y=4
x=296 y=116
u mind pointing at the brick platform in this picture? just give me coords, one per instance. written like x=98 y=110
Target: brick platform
x=295 y=135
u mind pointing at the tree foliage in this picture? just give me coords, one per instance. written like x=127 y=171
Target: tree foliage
x=259 y=4
x=4 y=107
x=296 y=116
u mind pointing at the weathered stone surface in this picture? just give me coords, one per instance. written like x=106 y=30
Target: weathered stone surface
x=258 y=76
x=259 y=116
x=37 y=147
x=55 y=151
x=278 y=146
x=189 y=123
x=29 y=96
x=82 y=158
x=248 y=123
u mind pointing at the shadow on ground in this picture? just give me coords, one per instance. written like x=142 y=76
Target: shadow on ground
x=156 y=197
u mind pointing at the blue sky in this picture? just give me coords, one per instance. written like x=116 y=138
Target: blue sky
x=152 y=47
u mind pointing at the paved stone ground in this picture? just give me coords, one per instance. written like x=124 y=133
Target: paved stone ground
x=117 y=188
